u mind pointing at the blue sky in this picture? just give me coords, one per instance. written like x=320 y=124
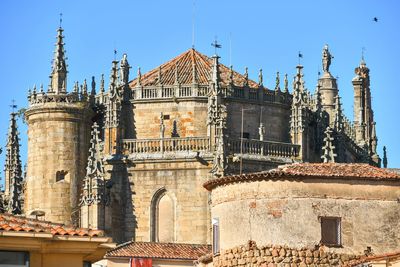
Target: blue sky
x=256 y=34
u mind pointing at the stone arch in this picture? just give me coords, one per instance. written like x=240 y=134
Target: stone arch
x=162 y=216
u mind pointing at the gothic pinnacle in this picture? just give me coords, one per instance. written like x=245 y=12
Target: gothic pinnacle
x=260 y=78
x=328 y=149
x=58 y=74
x=13 y=168
x=277 y=82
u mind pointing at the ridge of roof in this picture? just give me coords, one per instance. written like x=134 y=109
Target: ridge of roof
x=360 y=171
x=184 y=64
x=159 y=250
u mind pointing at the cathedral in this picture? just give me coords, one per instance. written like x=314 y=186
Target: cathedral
x=130 y=158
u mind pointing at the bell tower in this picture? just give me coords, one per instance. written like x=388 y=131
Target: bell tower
x=58 y=142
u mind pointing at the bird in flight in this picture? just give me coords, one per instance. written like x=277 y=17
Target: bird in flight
x=375 y=19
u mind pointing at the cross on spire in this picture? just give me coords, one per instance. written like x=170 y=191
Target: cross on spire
x=61 y=19
x=13 y=106
x=216 y=45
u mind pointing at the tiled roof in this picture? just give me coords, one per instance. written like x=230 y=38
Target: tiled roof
x=159 y=250
x=11 y=223
x=373 y=258
x=184 y=65
x=311 y=170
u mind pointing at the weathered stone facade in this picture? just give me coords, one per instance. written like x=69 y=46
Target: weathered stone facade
x=165 y=133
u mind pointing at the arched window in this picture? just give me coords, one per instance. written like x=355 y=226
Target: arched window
x=162 y=217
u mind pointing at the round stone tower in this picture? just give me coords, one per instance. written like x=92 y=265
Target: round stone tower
x=58 y=141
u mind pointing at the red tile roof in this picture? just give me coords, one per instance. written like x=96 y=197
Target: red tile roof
x=373 y=258
x=11 y=223
x=159 y=250
x=184 y=64
x=311 y=170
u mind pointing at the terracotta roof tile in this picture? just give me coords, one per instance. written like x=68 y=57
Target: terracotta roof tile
x=184 y=64
x=159 y=250
x=311 y=170
x=11 y=223
x=372 y=258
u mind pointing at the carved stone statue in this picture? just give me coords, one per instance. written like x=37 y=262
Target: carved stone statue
x=326 y=59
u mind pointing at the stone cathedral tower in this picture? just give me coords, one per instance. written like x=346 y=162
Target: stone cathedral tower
x=58 y=141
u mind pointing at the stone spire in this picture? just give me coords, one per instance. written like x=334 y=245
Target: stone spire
x=94 y=191
x=328 y=149
x=102 y=84
x=215 y=75
x=338 y=115
x=93 y=84
x=58 y=76
x=112 y=89
x=385 y=160
x=139 y=77
x=246 y=76
x=13 y=169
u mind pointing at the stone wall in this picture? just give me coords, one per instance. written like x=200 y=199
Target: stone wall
x=275 y=117
x=276 y=256
x=190 y=116
x=289 y=211
x=182 y=180
x=58 y=141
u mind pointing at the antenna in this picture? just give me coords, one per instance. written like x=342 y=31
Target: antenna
x=193 y=22
x=230 y=49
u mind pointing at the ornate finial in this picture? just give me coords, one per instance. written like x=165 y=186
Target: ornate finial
x=76 y=87
x=34 y=89
x=384 y=160
x=246 y=76
x=326 y=59
x=277 y=82
x=102 y=83
x=286 y=84
x=374 y=139
x=328 y=149
x=231 y=75
x=41 y=88
x=260 y=78
x=84 y=88
x=338 y=115
x=93 y=91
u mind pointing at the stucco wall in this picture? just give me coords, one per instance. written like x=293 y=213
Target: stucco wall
x=287 y=213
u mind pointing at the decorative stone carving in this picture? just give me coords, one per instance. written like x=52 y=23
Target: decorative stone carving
x=328 y=149
x=95 y=189
x=326 y=59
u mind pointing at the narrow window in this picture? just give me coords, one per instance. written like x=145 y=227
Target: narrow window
x=330 y=231
x=162 y=217
x=14 y=258
x=215 y=233
x=60 y=175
